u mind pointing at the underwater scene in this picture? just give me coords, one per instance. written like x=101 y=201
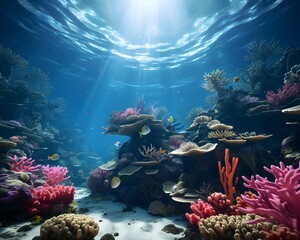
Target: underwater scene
x=149 y=120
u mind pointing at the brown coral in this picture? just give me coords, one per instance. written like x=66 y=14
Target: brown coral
x=69 y=226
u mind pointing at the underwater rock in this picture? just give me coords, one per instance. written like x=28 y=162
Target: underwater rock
x=171 y=228
x=107 y=236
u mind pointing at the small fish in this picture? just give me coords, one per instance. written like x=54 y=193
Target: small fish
x=117 y=144
x=115 y=182
x=170 y=119
x=36 y=219
x=54 y=157
x=145 y=130
x=163 y=151
x=236 y=79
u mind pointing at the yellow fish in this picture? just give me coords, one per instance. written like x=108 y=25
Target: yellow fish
x=115 y=182
x=170 y=119
x=145 y=130
x=163 y=151
x=236 y=79
x=54 y=157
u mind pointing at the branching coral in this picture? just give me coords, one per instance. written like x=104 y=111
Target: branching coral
x=23 y=164
x=215 y=81
x=263 y=50
x=10 y=62
x=226 y=175
x=283 y=95
x=151 y=153
x=54 y=175
x=38 y=81
x=119 y=117
x=278 y=200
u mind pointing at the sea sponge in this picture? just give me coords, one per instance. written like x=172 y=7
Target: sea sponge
x=69 y=226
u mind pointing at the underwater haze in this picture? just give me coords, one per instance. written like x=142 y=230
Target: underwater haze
x=150 y=118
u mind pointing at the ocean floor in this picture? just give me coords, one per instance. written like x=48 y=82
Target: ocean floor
x=131 y=225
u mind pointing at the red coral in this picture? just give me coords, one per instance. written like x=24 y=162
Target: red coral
x=222 y=204
x=54 y=175
x=23 y=164
x=201 y=210
x=48 y=198
x=283 y=95
x=280 y=232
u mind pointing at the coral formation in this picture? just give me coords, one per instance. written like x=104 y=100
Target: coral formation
x=278 y=200
x=48 y=199
x=232 y=227
x=54 y=175
x=215 y=81
x=226 y=175
x=69 y=226
x=293 y=76
x=23 y=164
x=200 y=210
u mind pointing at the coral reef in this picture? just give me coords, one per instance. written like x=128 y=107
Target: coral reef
x=69 y=226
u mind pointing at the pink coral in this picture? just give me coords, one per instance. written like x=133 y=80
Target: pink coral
x=48 y=198
x=119 y=117
x=278 y=200
x=23 y=164
x=54 y=175
x=201 y=210
x=283 y=95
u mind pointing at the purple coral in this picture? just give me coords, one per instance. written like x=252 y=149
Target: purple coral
x=283 y=95
x=119 y=117
x=99 y=180
x=278 y=200
x=248 y=99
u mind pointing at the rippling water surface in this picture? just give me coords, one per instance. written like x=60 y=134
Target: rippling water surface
x=148 y=34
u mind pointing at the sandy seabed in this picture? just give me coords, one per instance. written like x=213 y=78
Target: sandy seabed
x=133 y=225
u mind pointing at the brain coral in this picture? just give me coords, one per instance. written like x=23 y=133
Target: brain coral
x=69 y=226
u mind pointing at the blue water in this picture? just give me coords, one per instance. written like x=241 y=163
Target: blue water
x=103 y=55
